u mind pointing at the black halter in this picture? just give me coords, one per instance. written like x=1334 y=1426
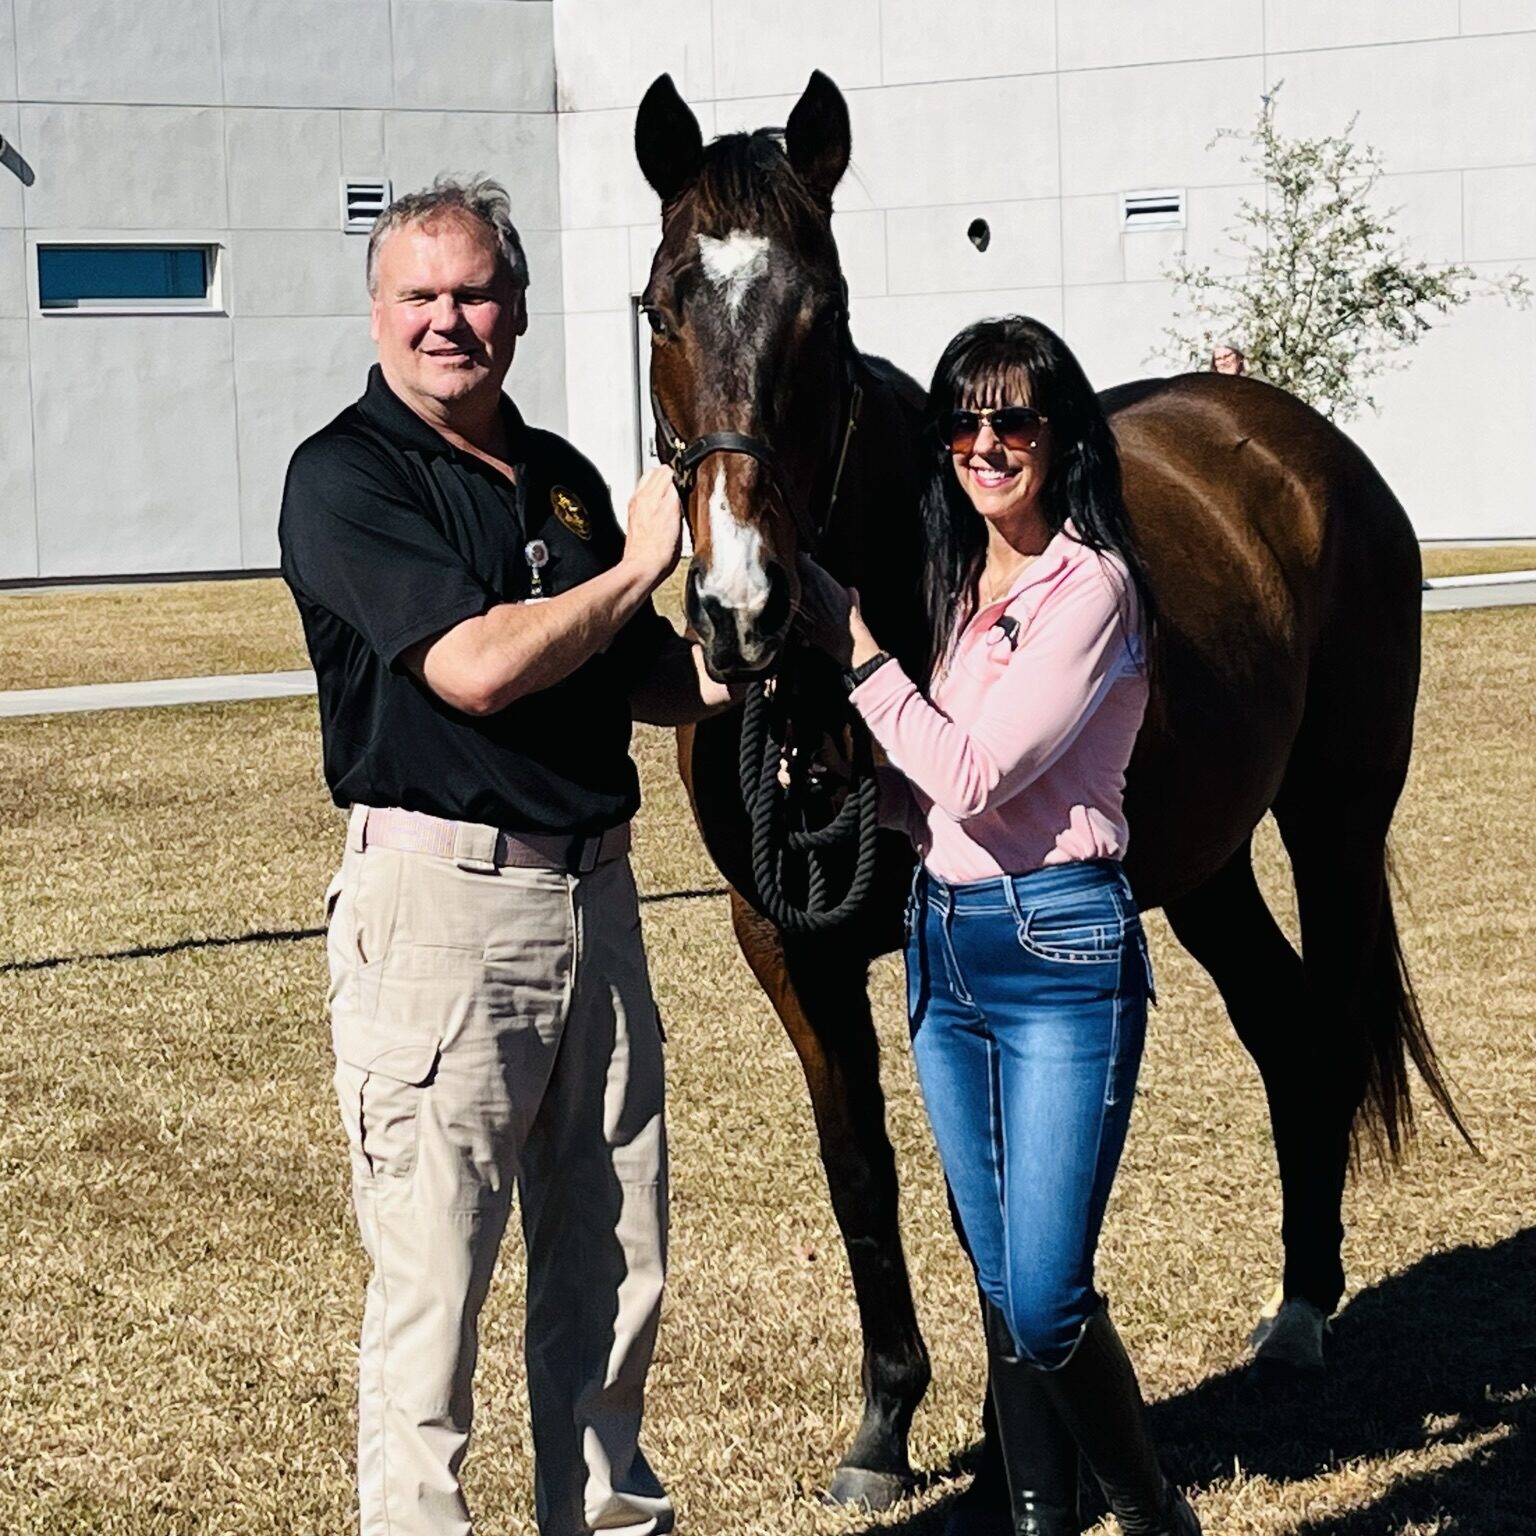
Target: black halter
x=683 y=458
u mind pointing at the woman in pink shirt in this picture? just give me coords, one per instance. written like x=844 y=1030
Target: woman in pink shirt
x=1027 y=970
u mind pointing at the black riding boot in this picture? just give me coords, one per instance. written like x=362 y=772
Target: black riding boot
x=1039 y=1454
x=1098 y=1398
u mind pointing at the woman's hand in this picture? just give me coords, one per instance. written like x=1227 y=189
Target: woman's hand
x=830 y=617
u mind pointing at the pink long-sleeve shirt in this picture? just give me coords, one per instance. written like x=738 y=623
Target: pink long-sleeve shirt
x=1019 y=759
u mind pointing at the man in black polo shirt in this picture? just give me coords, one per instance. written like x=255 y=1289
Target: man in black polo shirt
x=482 y=634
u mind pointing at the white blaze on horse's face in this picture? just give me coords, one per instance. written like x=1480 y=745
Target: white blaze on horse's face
x=734 y=264
x=737 y=578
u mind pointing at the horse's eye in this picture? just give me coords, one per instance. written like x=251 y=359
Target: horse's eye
x=658 y=323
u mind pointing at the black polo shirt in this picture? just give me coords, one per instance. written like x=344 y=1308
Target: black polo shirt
x=389 y=535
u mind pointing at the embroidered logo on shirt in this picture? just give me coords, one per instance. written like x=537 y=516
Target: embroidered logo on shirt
x=1008 y=626
x=571 y=512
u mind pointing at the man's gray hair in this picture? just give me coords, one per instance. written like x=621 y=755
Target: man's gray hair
x=481 y=200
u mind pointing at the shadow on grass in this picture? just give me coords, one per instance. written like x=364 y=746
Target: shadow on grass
x=1440 y=1356
x=155 y=951
x=263 y=936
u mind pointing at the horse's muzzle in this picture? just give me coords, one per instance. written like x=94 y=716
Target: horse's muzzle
x=739 y=643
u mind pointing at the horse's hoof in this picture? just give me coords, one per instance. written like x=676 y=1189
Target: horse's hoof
x=873 y=1491
x=1291 y=1340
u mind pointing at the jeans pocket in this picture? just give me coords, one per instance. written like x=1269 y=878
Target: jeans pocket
x=1075 y=933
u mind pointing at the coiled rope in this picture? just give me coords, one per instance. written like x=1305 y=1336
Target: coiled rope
x=777 y=844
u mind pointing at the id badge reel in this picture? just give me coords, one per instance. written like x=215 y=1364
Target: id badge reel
x=536 y=553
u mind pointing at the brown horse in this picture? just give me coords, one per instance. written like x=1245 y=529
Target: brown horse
x=1287 y=579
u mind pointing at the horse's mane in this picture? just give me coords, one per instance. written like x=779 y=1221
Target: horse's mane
x=748 y=176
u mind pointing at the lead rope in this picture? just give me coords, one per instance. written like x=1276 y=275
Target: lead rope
x=774 y=841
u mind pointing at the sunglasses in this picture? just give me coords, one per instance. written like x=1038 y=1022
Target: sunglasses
x=1014 y=426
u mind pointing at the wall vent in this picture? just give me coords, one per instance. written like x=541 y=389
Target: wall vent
x=1152 y=210
x=361 y=203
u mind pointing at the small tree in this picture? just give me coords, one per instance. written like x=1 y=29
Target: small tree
x=1328 y=296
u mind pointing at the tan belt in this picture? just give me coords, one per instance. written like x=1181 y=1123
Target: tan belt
x=480 y=848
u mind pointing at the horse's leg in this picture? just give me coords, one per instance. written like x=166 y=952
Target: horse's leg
x=1362 y=1020
x=1228 y=927
x=819 y=992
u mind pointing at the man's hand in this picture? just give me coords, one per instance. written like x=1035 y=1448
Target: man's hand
x=654 y=539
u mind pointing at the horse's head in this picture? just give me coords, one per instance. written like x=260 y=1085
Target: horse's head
x=750 y=356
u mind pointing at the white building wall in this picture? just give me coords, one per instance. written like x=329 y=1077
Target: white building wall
x=135 y=444
x=153 y=444
x=1036 y=115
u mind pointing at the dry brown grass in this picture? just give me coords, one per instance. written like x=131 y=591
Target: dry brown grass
x=180 y=1284
x=1478 y=560
x=57 y=637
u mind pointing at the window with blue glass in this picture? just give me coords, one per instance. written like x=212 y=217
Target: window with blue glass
x=97 y=276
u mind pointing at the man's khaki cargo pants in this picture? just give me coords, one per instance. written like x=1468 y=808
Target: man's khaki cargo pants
x=494 y=1027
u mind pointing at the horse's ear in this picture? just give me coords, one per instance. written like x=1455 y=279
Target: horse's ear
x=668 y=143
x=818 y=137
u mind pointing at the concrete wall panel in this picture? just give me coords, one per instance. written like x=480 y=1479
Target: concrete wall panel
x=362 y=143
x=861 y=248
x=745 y=114
x=517 y=148
x=543 y=249
x=284 y=169
x=537 y=380
x=18 y=521
x=307 y=53
x=1138 y=129
x=296 y=272
x=600 y=180
x=1115 y=329
x=1429 y=213
x=1212 y=215
x=1095 y=34
x=293 y=376
x=1149 y=253
x=1299 y=24
x=600 y=393
x=913 y=330
x=929 y=251
x=1474 y=378
x=1498 y=16
x=128 y=168
x=756 y=56
x=156 y=400
x=596 y=270
x=103 y=50
x=1501 y=213
x=921 y=41
x=11 y=214
x=13 y=279
x=1404 y=96
x=920 y=146
x=611 y=50
x=1090 y=240
x=474 y=55
x=7 y=56
x=643 y=241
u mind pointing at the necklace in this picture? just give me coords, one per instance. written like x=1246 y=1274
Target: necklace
x=1001 y=586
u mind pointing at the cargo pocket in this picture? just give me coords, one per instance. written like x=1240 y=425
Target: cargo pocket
x=385 y=1071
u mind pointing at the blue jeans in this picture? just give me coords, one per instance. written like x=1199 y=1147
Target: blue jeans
x=1028 y=1003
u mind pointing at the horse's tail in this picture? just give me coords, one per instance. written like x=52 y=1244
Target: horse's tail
x=1397 y=1035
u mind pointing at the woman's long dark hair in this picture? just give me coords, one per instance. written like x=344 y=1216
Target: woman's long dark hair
x=990 y=361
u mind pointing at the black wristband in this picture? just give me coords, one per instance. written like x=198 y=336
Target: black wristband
x=853 y=676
